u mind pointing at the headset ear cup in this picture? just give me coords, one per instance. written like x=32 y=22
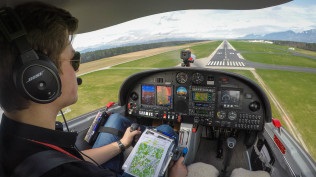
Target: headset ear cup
x=38 y=80
x=36 y=77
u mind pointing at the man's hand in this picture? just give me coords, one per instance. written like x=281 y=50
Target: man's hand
x=129 y=136
x=178 y=169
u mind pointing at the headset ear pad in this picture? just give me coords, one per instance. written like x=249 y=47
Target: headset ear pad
x=38 y=80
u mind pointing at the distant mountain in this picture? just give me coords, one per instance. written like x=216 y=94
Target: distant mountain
x=135 y=42
x=308 y=36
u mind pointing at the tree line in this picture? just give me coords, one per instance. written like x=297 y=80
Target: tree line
x=301 y=45
x=99 y=54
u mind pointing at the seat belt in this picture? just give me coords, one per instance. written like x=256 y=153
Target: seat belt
x=112 y=131
x=39 y=163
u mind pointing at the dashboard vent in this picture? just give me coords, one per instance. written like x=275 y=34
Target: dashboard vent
x=159 y=80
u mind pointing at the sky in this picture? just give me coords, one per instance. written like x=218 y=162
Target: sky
x=298 y=16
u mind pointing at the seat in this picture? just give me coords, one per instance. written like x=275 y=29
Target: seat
x=240 y=172
x=200 y=169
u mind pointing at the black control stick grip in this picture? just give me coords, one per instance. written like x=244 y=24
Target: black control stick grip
x=134 y=126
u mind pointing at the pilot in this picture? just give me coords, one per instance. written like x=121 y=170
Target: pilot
x=29 y=143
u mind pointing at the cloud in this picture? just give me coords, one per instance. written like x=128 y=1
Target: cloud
x=296 y=16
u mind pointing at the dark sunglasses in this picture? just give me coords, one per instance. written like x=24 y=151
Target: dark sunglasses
x=75 y=61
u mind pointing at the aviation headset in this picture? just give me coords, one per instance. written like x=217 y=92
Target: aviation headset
x=36 y=76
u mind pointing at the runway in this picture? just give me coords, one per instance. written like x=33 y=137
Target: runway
x=224 y=57
x=227 y=57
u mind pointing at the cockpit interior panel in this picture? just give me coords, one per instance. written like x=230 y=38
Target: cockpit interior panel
x=196 y=96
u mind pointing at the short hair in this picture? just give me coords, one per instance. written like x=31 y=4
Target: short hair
x=49 y=30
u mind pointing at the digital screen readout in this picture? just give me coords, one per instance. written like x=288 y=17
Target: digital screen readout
x=201 y=96
x=204 y=112
x=164 y=96
x=201 y=104
x=230 y=98
x=148 y=94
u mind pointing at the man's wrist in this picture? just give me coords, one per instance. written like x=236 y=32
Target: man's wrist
x=121 y=146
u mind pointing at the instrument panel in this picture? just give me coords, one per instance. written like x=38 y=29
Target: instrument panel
x=197 y=96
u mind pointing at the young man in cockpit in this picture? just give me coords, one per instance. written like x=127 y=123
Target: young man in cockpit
x=30 y=110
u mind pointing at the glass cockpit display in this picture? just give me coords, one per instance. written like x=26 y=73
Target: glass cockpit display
x=202 y=96
x=148 y=94
x=156 y=95
x=230 y=98
x=164 y=96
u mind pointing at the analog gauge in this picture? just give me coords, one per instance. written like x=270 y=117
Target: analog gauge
x=232 y=115
x=221 y=114
x=134 y=96
x=197 y=78
x=182 y=78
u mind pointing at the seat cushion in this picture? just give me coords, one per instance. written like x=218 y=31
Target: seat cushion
x=201 y=169
x=240 y=172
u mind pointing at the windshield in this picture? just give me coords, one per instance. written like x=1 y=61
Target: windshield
x=275 y=48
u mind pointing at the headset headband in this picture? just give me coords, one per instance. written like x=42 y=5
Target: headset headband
x=14 y=31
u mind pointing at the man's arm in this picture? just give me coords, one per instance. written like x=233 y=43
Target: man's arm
x=107 y=152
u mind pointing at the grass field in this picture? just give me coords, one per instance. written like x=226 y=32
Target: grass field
x=306 y=52
x=296 y=92
x=272 y=54
x=280 y=59
x=252 y=47
x=163 y=60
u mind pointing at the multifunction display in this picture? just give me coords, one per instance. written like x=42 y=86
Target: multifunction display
x=230 y=98
x=202 y=101
x=164 y=96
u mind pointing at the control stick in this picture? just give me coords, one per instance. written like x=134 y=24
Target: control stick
x=134 y=126
x=230 y=145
